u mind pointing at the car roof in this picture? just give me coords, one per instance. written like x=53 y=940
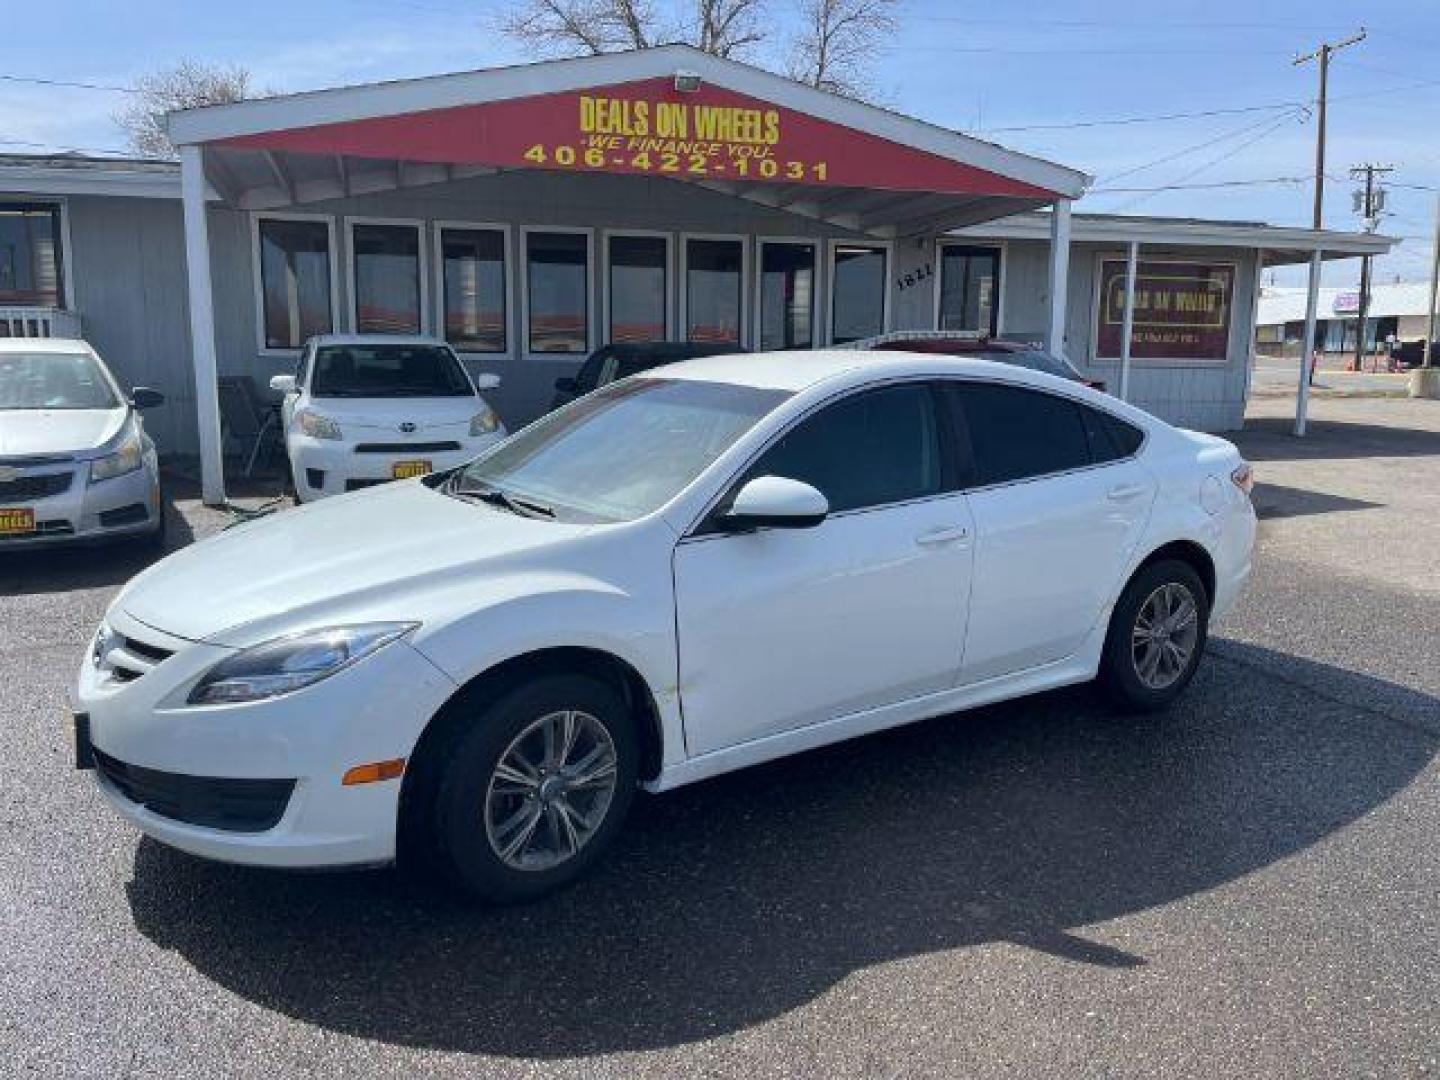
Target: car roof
x=376 y=339
x=796 y=371
x=45 y=345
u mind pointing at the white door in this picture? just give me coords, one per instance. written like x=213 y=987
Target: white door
x=781 y=628
x=1060 y=504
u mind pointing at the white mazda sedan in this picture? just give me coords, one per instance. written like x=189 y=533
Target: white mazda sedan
x=683 y=573
x=364 y=409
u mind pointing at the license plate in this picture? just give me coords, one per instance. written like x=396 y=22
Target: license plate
x=404 y=469
x=20 y=520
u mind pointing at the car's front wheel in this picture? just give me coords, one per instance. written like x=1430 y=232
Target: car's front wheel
x=535 y=788
x=1157 y=636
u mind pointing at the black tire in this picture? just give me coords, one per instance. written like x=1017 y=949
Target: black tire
x=1120 y=675
x=453 y=814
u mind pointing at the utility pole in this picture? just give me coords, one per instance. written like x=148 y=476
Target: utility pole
x=1322 y=55
x=1369 y=202
x=1431 y=315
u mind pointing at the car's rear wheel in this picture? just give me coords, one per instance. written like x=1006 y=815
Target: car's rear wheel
x=1157 y=635
x=535 y=788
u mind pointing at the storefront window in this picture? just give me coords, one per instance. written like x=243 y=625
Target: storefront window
x=294 y=281
x=637 y=288
x=714 y=277
x=969 y=288
x=558 y=280
x=859 y=292
x=787 y=296
x=30 y=271
x=387 y=278
x=473 y=271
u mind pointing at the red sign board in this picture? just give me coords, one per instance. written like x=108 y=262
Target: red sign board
x=1182 y=310
x=649 y=128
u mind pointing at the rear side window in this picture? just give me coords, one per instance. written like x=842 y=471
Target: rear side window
x=1017 y=433
x=877 y=447
x=1110 y=437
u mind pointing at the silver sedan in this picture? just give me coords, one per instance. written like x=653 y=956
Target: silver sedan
x=75 y=461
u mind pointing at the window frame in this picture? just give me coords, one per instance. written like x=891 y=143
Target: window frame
x=61 y=207
x=437 y=255
x=523 y=289
x=832 y=247
x=1001 y=248
x=960 y=431
x=257 y=276
x=606 y=235
x=817 y=245
x=421 y=271
x=682 y=285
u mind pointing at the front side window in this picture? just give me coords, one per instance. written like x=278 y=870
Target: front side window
x=473 y=284
x=623 y=451
x=714 y=279
x=877 y=447
x=386 y=371
x=387 y=278
x=30 y=270
x=1016 y=434
x=638 y=288
x=787 y=296
x=294 y=281
x=558 y=284
x=969 y=288
x=858 y=302
x=51 y=380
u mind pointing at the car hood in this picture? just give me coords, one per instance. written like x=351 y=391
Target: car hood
x=388 y=414
x=373 y=552
x=27 y=432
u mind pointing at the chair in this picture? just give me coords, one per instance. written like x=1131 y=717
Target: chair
x=244 y=417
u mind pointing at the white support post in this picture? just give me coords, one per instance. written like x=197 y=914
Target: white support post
x=202 y=325
x=1132 y=259
x=1059 y=275
x=1312 y=299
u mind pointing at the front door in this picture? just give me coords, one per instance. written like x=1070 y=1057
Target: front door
x=783 y=628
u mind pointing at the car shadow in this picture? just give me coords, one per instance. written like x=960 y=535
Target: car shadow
x=90 y=565
x=1279 y=501
x=731 y=902
x=1272 y=438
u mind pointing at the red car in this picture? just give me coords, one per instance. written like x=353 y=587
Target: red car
x=1020 y=354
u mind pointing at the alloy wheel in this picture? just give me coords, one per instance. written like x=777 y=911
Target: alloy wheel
x=1167 y=628
x=550 y=790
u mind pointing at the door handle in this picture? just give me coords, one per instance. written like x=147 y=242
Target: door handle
x=946 y=534
x=1126 y=492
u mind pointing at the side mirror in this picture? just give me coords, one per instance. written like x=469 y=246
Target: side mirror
x=775 y=502
x=566 y=384
x=142 y=397
x=282 y=384
x=487 y=381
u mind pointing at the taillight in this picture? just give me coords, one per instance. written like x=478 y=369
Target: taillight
x=1244 y=477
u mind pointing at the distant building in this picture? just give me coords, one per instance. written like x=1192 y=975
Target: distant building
x=1397 y=309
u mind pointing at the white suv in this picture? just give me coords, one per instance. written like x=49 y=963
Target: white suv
x=362 y=409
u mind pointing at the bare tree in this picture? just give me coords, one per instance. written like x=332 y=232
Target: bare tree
x=187 y=85
x=837 y=41
x=592 y=27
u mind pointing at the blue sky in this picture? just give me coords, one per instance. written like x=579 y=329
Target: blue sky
x=982 y=68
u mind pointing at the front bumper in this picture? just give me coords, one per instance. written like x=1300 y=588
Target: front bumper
x=325 y=467
x=373 y=711
x=83 y=512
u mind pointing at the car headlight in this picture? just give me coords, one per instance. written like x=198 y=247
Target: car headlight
x=125 y=458
x=291 y=663
x=317 y=425
x=485 y=421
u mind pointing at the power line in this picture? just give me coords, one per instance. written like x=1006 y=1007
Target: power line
x=1244 y=130
x=60 y=148
x=1208 y=185
x=1157 y=118
x=36 y=81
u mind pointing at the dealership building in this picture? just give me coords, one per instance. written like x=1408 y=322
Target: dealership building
x=530 y=214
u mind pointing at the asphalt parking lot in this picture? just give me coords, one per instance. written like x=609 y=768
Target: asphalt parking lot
x=1248 y=885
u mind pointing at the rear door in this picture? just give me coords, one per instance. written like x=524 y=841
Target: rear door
x=1060 y=501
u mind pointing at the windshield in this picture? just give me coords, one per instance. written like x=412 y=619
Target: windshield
x=387 y=370
x=54 y=380
x=623 y=451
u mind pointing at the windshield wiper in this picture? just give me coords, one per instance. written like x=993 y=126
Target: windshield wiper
x=495 y=497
